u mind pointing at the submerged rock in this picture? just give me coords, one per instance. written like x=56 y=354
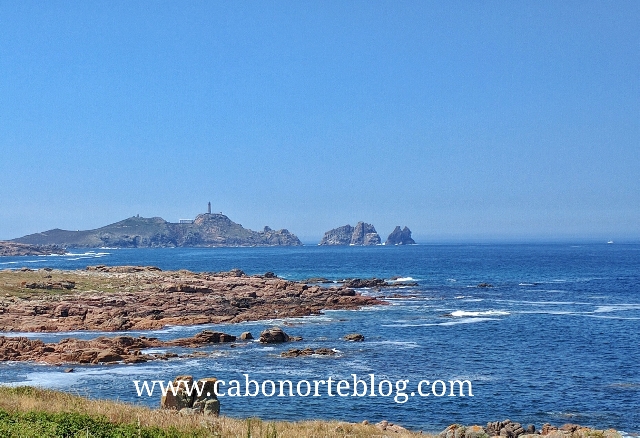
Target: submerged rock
x=354 y=337
x=295 y=352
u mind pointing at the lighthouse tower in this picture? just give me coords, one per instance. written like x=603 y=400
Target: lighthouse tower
x=209 y=208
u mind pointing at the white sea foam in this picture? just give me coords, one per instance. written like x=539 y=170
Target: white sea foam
x=59 y=379
x=87 y=254
x=466 y=321
x=357 y=365
x=559 y=303
x=21 y=262
x=473 y=377
x=614 y=317
x=399 y=344
x=462 y=313
x=616 y=308
x=447 y=323
x=401 y=279
x=153 y=351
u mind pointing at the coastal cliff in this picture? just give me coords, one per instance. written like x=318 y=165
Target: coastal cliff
x=362 y=234
x=206 y=230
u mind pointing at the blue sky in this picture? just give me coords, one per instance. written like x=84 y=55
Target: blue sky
x=463 y=120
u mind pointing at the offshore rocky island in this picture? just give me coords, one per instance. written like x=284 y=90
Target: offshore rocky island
x=364 y=234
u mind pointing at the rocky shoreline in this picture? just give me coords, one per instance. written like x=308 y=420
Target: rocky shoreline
x=120 y=298
x=101 y=350
x=13 y=249
x=511 y=429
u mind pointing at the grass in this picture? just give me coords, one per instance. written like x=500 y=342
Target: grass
x=92 y=282
x=28 y=412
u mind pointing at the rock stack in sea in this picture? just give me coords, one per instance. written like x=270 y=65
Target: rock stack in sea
x=362 y=234
x=400 y=237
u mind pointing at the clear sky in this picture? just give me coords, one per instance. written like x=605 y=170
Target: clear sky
x=470 y=120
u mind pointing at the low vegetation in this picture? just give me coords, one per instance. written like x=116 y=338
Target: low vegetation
x=28 y=412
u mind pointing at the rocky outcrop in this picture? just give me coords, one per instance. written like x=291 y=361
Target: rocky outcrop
x=338 y=236
x=49 y=285
x=362 y=234
x=274 y=335
x=246 y=336
x=101 y=350
x=135 y=232
x=400 y=237
x=510 y=429
x=354 y=337
x=388 y=426
x=118 y=298
x=12 y=249
x=192 y=397
x=365 y=234
x=357 y=283
x=295 y=352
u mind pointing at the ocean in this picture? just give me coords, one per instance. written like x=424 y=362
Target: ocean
x=555 y=339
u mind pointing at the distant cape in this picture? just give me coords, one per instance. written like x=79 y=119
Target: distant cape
x=139 y=232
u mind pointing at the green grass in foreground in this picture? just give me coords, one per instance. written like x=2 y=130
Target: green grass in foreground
x=27 y=412
x=71 y=424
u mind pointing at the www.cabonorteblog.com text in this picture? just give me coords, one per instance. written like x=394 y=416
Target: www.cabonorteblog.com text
x=354 y=387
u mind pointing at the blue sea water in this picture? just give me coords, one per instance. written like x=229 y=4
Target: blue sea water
x=557 y=339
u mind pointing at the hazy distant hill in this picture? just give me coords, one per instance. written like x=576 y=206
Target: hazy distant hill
x=22 y=249
x=206 y=230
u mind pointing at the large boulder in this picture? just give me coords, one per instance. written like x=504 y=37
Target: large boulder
x=205 y=403
x=400 y=237
x=274 y=335
x=181 y=399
